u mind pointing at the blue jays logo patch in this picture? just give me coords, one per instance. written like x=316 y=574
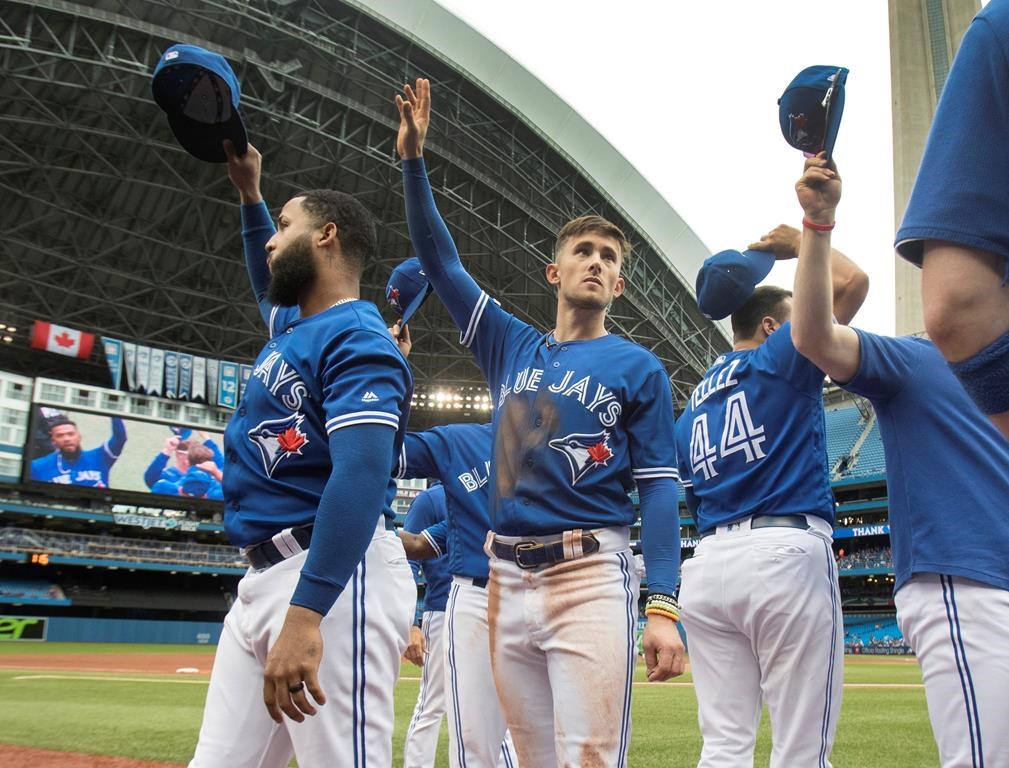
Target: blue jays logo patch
x=279 y=438
x=393 y=297
x=584 y=452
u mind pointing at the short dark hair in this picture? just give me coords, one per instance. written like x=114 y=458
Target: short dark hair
x=597 y=225
x=60 y=421
x=766 y=301
x=354 y=223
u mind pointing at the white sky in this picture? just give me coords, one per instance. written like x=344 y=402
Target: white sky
x=687 y=92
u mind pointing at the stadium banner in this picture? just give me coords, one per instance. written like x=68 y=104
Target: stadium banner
x=114 y=358
x=171 y=373
x=227 y=393
x=147 y=521
x=67 y=447
x=213 y=367
x=246 y=372
x=185 y=375
x=157 y=374
x=61 y=340
x=14 y=628
x=882 y=529
x=130 y=358
x=143 y=367
x=199 y=391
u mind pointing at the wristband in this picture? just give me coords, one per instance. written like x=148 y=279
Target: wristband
x=659 y=604
x=817 y=227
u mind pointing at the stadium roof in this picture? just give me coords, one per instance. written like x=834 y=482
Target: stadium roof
x=111 y=227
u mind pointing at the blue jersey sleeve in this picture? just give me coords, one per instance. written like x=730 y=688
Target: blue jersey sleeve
x=779 y=355
x=257 y=229
x=885 y=364
x=650 y=425
x=153 y=472
x=483 y=324
x=437 y=537
x=418 y=517
x=218 y=456
x=418 y=456
x=116 y=442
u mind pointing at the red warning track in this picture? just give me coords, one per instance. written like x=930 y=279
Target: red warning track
x=147 y=663
x=27 y=757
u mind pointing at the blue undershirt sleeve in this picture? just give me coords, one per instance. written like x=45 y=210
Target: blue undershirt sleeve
x=257 y=229
x=660 y=533
x=118 y=440
x=348 y=512
x=435 y=248
x=153 y=472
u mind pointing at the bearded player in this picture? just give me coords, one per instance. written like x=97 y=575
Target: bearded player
x=69 y=464
x=323 y=615
x=581 y=415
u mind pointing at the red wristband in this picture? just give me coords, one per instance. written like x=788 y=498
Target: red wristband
x=817 y=227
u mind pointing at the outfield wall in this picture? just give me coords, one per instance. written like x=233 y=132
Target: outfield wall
x=76 y=630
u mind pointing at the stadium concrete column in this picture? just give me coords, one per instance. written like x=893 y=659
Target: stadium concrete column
x=924 y=37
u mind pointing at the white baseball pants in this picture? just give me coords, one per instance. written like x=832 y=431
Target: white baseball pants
x=957 y=628
x=477 y=733
x=422 y=735
x=762 y=612
x=563 y=655
x=364 y=636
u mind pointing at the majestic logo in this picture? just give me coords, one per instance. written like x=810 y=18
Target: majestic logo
x=393 y=297
x=279 y=438
x=584 y=452
x=369 y=397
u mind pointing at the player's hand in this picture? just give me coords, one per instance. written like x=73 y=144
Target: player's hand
x=783 y=241
x=417 y=648
x=171 y=444
x=819 y=189
x=292 y=667
x=245 y=172
x=211 y=468
x=664 y=652
x=401 y=333
x=414 y=117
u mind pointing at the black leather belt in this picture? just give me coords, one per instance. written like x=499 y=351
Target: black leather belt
x=265 y=553
x=771 y=521
x=545 y=551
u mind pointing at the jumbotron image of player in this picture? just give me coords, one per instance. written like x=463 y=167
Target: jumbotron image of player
x=70 y=464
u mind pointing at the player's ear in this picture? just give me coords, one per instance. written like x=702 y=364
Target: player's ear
x=769 y=325
x=553 y=277
x=618 y=287
x=328 y=236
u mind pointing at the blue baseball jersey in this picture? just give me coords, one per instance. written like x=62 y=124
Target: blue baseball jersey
x=751 y=438
x=90 y=469
x=459 y=456
x=428 y=509
x=959 y=194
x=338 y=368
x=947 y=467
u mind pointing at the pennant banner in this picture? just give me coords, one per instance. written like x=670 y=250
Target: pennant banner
x=157 y=373
x=212 y=368
x=130 y=356
x=246 y=371
x=62 y=340
x=227 y=394
x=143 y=367
x=171 y=373
x=185 y=375
x=199 y=379
x=114 y=359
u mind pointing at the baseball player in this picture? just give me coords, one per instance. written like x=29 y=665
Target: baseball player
x=580 y=416
x=422 y=735
x=760 y=597
x=459 y=455
x=69 y=464
x=954 y=226
x=323 y=615
x=178 y=448
x=952 y=591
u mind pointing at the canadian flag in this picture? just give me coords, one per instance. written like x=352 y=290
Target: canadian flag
x=62 y=341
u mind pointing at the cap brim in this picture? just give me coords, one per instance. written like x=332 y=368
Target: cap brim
x=833 y=121
x=205 y=141
x=761 y=264
x=413 y=306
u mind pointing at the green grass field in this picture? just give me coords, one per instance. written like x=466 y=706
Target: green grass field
x=157 y=718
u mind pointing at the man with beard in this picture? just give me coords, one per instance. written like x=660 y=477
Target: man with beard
x=68 y=464
x=307 y=490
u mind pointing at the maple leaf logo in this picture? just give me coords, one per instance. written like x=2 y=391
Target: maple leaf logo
x=291 y=440
x=600 y=453
x=64 y=339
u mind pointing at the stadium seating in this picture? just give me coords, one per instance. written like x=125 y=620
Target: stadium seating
x=868 y=630
x=871 y=460
x=844 y=425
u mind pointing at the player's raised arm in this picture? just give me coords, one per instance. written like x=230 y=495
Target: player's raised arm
x=428 y=233
x=832 y=347
x=245 y=172
x=117 y=441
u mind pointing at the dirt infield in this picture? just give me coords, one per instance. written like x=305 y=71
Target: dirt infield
x=148 y=663
x=26 y=757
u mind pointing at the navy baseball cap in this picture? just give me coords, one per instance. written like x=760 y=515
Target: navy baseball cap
x=407 y=288
x=196 y=482
x=727 y=279
x=810 y=109
x=200 y=93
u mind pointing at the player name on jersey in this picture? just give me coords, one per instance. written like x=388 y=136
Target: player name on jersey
x=717 y=381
